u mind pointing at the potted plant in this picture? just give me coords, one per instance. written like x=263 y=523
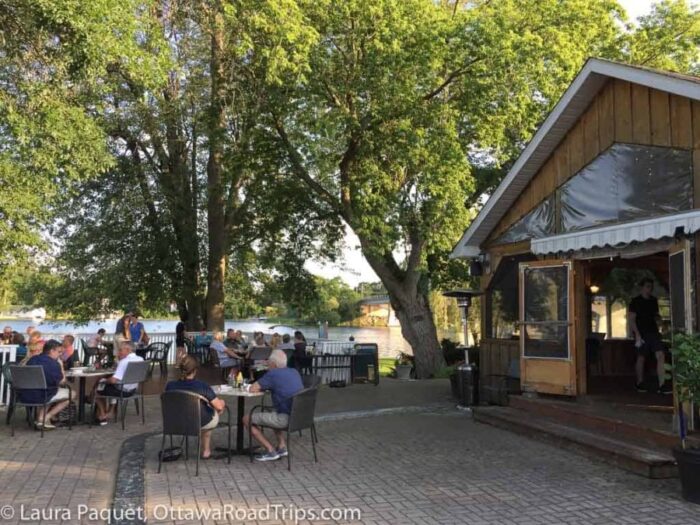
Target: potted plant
x=686 y=381
x=403 y=366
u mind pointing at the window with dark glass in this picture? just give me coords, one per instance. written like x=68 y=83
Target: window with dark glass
x=502 y=299
x=627 y=182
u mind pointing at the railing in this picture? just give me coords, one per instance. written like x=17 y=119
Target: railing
x=323 y=346
x=8 y=354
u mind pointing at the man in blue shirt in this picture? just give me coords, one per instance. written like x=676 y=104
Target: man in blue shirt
x=55 y=394
x=137 y=331
x=283 y=383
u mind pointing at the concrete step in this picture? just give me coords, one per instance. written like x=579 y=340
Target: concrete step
x=650 y=462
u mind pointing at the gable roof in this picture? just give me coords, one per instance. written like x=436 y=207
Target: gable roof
x=573 y=103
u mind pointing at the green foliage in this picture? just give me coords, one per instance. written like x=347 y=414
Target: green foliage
x=686 y=365
x=445 y=372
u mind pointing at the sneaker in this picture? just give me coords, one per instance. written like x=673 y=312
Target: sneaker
x=268 y=456
x=665 y=389
x=282 y=452
x=103 y=422
x=641 y=387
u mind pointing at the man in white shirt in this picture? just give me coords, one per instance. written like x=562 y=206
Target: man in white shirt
x=113 y=385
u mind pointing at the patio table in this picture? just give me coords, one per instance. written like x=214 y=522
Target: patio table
x=82 y=376
x=242 y=395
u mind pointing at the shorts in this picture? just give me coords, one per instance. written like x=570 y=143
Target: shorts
x=63 y=394
x=652 y=344
x=270 y=419
x=112 y=391
x=213 y=423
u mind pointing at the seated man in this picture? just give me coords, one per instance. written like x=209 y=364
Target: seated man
x=113 y=385
x=283 y=382
x=287 y=343
x=56 y=394
x=7 y=333
x=230 y=340
x=68 y=353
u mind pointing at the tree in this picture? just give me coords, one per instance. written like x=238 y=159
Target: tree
x=403 y=98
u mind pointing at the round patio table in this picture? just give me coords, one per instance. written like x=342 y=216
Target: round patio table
x=82 y=376
x=229 y=391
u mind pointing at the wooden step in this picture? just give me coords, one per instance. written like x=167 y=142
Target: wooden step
x=646 y=461
x=570 y=413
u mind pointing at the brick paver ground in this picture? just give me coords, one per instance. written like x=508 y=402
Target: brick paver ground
x=434 y=468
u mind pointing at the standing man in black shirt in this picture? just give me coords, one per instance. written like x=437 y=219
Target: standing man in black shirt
x=643 y=316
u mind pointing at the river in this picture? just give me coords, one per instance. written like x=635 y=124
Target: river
x=389 y=340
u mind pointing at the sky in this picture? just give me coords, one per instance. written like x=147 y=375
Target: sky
x=352 y=266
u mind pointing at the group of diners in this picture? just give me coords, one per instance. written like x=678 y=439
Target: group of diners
x=283 y=382
x=56 y=358
x=233 y=349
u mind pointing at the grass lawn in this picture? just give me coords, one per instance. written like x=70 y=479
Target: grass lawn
x=386 y=365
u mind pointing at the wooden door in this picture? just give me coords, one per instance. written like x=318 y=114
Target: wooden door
x=679 y=290
x=547 y=338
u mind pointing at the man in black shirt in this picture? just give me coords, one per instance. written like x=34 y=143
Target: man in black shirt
x=643 y=315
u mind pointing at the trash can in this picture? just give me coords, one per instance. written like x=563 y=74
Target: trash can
x=468 y=378
x=365 y=363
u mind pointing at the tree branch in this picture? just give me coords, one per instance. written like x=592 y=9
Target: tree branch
x=451 y=78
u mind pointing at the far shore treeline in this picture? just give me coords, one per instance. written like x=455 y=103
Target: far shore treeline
x=200 y=152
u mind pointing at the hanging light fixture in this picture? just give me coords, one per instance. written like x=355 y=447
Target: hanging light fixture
x=595 y=288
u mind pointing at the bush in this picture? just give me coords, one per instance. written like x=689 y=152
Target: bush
x=451 y=352
x=444 y=372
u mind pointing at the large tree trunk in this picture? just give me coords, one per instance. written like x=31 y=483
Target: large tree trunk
x=418 y=328
x=216 y=198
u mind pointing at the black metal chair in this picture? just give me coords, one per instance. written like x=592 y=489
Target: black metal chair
x=182 y=417
x=194 y=350
x=311 y=381
x=136 y=373
x=301 y=417
x=257 y=353
x=7 y=376
x=30 y=378
x=157 y=353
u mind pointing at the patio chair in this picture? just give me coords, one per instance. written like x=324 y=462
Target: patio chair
x=194 y=350
x=157 y=353
x=311 y=381
x=93 y=355
x=300 y=418
x=182 y=416
x=29 y=378
x=136 y=372
x=7 y=376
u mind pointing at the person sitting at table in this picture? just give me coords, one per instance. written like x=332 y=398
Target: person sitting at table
x=228 y=358
x=56 y=393
x=68 y=353
x=6 y=335
x=283 y=383
x=210 y=411
x=230 y=341
x=34 y=347
x=275 y=341
x=112 y=386
x=287 y=343
x=21 y=352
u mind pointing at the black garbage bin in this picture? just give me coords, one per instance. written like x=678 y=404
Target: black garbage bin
x=468 y=378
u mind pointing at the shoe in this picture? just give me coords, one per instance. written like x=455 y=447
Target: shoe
x=268 y=456
x=102 y=422
x=665 y=389
x=49 y=426
x=282 y=452
x=641 y=387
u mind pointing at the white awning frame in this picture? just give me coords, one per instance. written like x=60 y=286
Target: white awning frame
x=618 y=234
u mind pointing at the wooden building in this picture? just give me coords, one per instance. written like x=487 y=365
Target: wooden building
x=607 y=190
